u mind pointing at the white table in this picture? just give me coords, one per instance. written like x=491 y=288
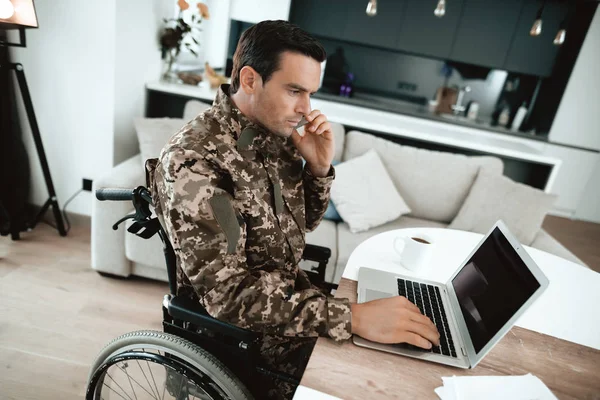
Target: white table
x=566 y=310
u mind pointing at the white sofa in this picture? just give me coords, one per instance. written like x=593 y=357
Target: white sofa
x=434 y=185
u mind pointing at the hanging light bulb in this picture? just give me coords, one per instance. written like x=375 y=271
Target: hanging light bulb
x=560 y=37
x=440 y=10
x=536 y=28
x=372 y=8
x=562 y=32
x=7 y=10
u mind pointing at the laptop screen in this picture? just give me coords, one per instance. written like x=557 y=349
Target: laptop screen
x=491 y=288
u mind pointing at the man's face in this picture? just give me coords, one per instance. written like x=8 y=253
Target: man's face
x=280 y=103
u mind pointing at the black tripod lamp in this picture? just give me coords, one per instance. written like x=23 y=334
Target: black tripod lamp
x=20 y=15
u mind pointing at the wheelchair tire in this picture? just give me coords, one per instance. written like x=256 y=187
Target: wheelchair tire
x=191 y=356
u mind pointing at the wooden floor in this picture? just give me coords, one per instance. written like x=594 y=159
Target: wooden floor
x=56 y=313
x=580 y=237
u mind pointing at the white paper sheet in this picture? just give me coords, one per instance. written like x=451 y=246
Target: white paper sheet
x=525 y=387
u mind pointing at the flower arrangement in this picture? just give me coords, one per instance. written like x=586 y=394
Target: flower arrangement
x=177 y=30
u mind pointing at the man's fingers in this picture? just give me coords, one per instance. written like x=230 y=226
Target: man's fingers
x=312 y=115
x=429 y=333
x=410 y=305
x=415 y=340
x=423 y=319
x=317 y=123
x=296 y=138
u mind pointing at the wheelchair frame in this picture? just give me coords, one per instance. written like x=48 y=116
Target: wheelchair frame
x=237 y=348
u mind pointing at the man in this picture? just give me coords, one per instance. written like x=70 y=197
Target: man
x=237 y=202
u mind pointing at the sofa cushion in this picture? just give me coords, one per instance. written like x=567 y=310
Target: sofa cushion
x=434 y=184
x=339 y=136
x=154 y=133
x=331 y=213
x=193 y=108
x=544 y=241
x=324 y=235
x=348 y=241
x=492 y=197
x=364 y=195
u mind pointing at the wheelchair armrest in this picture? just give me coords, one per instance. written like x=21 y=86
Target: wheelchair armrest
x=316 y=253
x=186 y=309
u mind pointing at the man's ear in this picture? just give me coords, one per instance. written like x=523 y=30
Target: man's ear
x=250 y=80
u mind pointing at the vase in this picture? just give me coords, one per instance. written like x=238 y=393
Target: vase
x=169 y=74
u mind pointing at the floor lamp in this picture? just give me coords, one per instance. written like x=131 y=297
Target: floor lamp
x=20 y=15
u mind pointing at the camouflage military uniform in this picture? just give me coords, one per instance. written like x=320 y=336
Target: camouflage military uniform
x=237 y=202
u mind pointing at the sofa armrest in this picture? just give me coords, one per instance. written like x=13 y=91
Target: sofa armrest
x=108 y=246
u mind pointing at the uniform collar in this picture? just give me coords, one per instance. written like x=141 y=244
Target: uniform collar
x=248 y=135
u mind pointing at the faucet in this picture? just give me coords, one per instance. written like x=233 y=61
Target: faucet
x=459 y=107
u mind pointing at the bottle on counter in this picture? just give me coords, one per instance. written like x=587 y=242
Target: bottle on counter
x=347 y=88
x=519 y=117
x=472 y=110
x=504 y=116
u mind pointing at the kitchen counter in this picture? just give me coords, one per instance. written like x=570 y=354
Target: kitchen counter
x=404 y=123
x=421 y=111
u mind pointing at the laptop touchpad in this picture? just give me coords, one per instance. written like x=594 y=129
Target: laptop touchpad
x=376 y=295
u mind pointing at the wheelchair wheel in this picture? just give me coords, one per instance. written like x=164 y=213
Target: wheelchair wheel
x=156 y=365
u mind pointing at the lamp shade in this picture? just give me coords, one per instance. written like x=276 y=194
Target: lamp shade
x=17 y=14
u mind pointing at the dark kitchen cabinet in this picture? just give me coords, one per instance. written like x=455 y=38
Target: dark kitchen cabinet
x=380 y=30
x=485 y=31
x=421 y=32
x=535 y=55
x=321 y=18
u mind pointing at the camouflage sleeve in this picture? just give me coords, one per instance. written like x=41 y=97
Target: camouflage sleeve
x=316 y=197
x=211 y=251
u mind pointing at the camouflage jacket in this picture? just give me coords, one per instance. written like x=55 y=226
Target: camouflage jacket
x=237 y=202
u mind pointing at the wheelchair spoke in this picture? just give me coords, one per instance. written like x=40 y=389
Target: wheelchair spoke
x=149 y=385
x=153 y=381
x=137 y=383
x=124 y=369
x=119 y=386
x=121 y=396
x=162 y=369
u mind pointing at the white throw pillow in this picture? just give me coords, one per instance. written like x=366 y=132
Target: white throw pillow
x=492 y=197
x=154 y=133
x=364 y=195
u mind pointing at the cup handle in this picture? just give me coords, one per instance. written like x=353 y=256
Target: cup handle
x=403 y=240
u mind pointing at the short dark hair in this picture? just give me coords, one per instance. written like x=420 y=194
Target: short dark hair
x=261 y=45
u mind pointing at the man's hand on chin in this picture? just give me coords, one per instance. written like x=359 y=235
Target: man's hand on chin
x=316 y=144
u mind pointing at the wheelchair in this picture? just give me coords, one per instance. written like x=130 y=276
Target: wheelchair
x=196 y=356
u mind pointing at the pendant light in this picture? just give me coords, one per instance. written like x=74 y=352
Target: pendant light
x=372 y=8
x=536 y=28
x=561 y=35
x=440 y=10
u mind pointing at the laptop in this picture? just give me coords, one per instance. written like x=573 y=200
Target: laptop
x=474 y=309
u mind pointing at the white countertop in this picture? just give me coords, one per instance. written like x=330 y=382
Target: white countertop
x=399 y=125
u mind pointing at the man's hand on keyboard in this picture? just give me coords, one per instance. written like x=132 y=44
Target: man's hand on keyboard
x=394 y=320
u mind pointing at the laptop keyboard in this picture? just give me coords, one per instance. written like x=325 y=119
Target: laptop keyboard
x=429 y=301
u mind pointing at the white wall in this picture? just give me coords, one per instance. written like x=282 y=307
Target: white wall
x=216 y=32
x=137 y=61
x=589 y=207
x=86 y=67
x=577 y=121
x=69 y=65
x=254 y=11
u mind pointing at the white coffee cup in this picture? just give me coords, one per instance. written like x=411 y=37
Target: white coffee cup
x=414 y=250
